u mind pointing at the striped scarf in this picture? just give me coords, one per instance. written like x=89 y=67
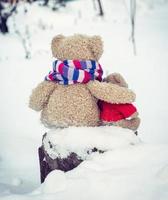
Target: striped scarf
x=75 y=71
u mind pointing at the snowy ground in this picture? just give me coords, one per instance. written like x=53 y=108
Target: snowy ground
x=133 y=172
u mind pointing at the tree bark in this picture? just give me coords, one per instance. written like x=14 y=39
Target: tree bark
x=3 y=21
x=3 y=25
x=132 y=16
x=101 y=13
x=5 y=15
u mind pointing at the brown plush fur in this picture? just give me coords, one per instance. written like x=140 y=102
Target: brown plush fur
x=78 y=46
x=117 y=79
x=110 y=93
x=76 y=105
x=134 y=121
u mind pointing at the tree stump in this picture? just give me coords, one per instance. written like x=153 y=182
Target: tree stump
x=48 y=164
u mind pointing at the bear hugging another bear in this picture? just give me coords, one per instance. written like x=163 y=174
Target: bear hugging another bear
x=70 y=93
x=74 y=94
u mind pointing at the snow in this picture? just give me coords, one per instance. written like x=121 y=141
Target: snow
x=116 y=175
x=82 y=140
x=139 y=171
x=55 y=182
x=127 y=173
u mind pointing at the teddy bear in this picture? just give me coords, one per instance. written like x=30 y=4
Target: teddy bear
x=69 y=94
x=123 y=115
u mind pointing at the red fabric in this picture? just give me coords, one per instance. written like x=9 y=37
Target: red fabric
x=114 y=112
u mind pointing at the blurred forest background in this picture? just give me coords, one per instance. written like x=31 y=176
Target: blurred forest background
x=7 y=7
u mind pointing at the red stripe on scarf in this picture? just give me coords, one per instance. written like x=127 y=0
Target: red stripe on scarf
x=60 y=68
x=77 y=64
x=87 y=77
x=51 y=77
x=100 y=71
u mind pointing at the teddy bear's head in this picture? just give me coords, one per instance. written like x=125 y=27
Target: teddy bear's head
x=80 y=47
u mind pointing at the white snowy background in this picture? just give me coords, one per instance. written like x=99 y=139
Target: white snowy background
x=134 y=172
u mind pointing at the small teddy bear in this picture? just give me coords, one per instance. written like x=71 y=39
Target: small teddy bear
x=123 y=115
x=69 y=94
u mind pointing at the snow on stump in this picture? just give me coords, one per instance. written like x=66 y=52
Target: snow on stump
x=65 y=149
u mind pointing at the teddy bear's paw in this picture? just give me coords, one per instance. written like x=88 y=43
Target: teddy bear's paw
x=131 y=124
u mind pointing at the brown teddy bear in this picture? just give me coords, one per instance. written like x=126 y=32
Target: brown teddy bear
x=69 y=94
x=123 y=115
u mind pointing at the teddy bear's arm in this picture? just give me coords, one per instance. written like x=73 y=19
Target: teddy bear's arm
x=110 y=92
x=40 y=95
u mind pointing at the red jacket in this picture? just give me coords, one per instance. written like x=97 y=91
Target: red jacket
x=115 y=112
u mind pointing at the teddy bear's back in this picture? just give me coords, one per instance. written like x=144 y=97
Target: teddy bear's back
x=71 y=105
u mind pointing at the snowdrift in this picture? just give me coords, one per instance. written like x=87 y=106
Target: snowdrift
x=61 y=142
x=86 y=143
x=128 y=168
x=65 y=149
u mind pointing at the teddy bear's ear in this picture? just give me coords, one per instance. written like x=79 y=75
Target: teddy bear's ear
x=96 y=46
x=55 y=42
x=57 y=39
